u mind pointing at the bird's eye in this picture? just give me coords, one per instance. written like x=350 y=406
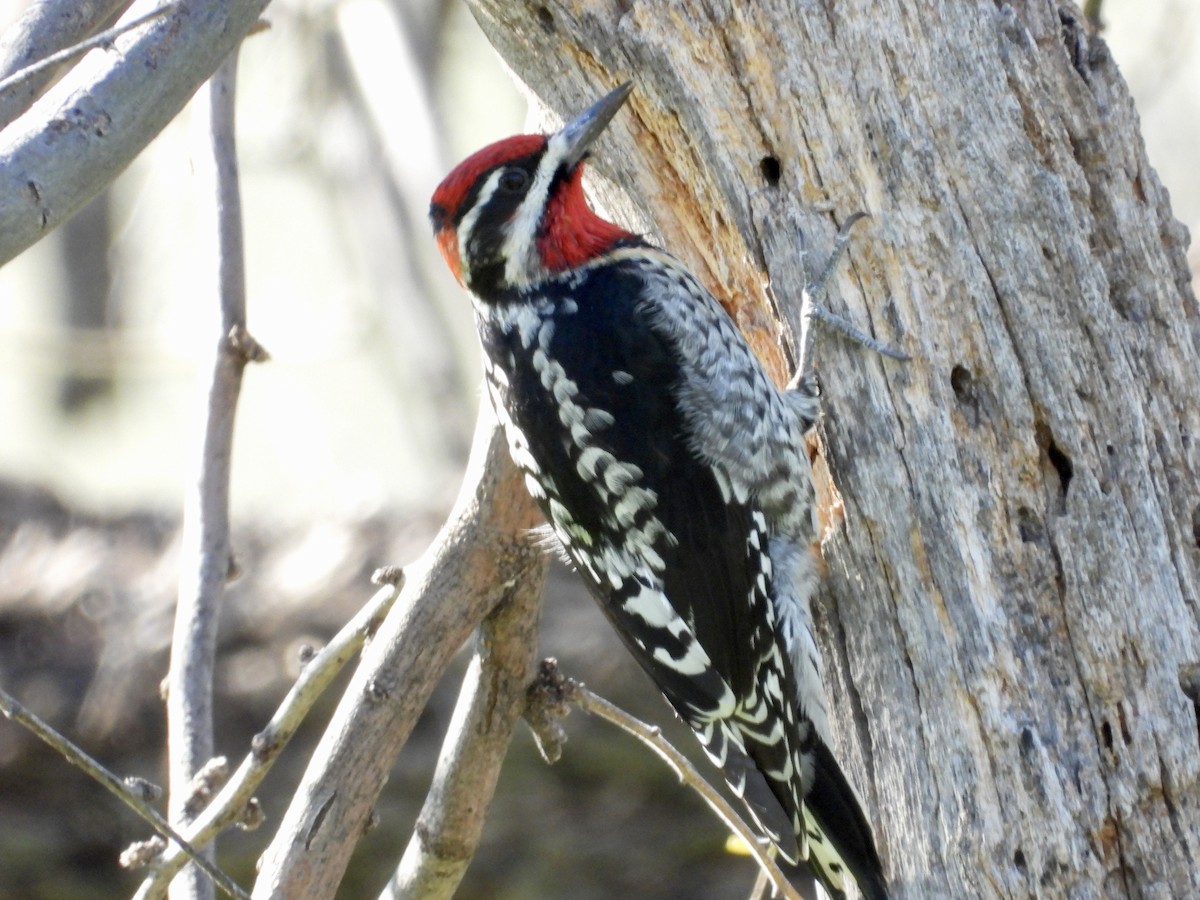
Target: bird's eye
x=513 y=180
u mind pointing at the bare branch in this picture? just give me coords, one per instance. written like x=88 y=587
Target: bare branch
x=688 y=775
x=549 y=696
x=24 y=82
x=92 y=124
x=230 y=806
x=45 y=28
x=130 y=791
x=761 y=883
x=206 y=560
x=489 y=706
x=480 y=558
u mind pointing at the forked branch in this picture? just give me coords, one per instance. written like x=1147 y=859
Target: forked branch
x=490 y=705
x=230 y=806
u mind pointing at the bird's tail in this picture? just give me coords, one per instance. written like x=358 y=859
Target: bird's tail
x=831 y=833
x=835 y=832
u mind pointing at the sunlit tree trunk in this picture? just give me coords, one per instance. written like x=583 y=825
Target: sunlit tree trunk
x=1013 y=542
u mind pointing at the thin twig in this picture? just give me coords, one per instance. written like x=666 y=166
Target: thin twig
x=230 y=805
x=761 y=883
x=206 y=556
x=688 y=775
x=21 y=76
x=131 y=797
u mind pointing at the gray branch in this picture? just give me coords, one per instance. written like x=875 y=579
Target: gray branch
x=236 y=800
x=126 y=790
x=481 y=558
x=45 y=28
x=206 y=560
x=492 y=700
x=91 y=125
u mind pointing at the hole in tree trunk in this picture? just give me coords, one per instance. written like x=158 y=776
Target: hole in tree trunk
x=1057 y=468
x=771 y=170
x=1062 y=464
x=1106 y=734
x=962 y=382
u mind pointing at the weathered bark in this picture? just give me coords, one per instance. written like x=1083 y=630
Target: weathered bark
x=1014 y=550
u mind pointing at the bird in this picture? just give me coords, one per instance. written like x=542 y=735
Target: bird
x=672 y=473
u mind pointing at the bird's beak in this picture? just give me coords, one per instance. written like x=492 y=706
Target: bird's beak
x=578 y=134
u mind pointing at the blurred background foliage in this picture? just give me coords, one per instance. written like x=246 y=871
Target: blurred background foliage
x=350 y=446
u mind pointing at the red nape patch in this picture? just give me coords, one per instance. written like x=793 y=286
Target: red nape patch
x=572 y=234
x=455 y=187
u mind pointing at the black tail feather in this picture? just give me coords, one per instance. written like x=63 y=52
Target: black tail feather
x=834 y=804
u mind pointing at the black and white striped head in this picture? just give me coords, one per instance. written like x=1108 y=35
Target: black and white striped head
x=514 y=213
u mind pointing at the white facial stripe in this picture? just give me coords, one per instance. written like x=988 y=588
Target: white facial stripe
x=467 y=225
x=519 y=245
